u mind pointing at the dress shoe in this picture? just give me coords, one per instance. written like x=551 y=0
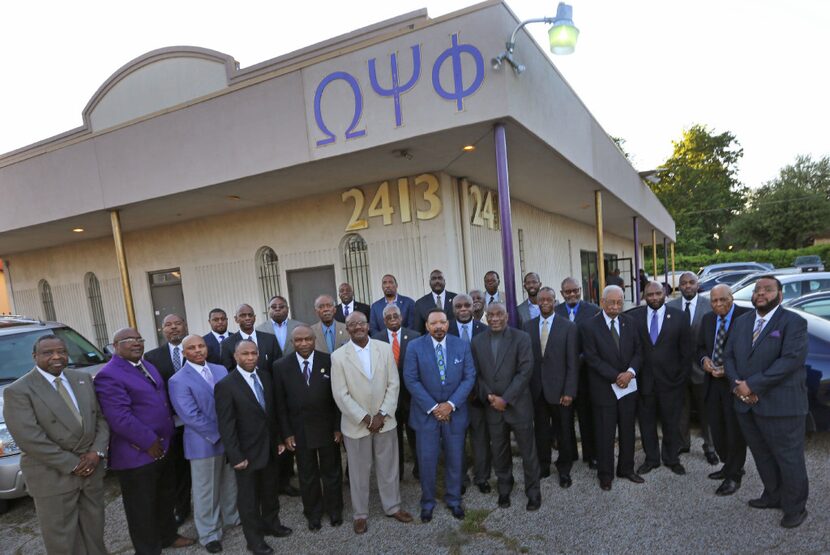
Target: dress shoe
x=592 y=464
x=545 y=472
x=762 y=503
x=717 y=475
x=457 y=512
x=426 y=515
x=360 y=526
x=289 y=490
x=645 y=468
x=261 y=549
x=684 y=450
x=182 y=541
x=678 y=469
x=279 y=531
x=794 y=521
x=605 y=485
x=565 y=481
x=504 y=501
x=179 y=518
x=463 y=489
x=712 y=458
x=337 y=521
x=728 y=487
x=401 y=516
x=314 y=525
x=484 y=487
x=213 y=547
x=533 y=504
x=633 y=477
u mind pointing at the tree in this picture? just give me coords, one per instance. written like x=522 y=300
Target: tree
x=789 y=211
x=699 y=187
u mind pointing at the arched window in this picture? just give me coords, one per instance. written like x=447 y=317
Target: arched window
x=355 y=255
x=268 y=273
x=46 y=300
x=96 y=308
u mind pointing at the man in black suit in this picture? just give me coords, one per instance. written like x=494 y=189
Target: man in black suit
x=169 y=359
x=764 y=359
x=218 y=321
x=399 y=337
x=667 y=359
x=269 y=349
x=578 y=311
x=438 y=297
x=503 y=359
x=466 y=327
x=348 y=305
x=310 y=425
x=529 y=308
x=248 y=426
x=723 y=422
x=611 y=348
x=553 y=383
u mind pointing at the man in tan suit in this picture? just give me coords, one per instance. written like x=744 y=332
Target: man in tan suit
x=53 y=415
x=329 y=334
x=365 y=385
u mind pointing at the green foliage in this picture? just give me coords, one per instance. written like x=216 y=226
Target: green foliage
x=780 y=258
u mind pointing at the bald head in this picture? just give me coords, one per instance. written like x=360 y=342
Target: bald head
x=128 y=344
x=721 y=299
x=245 y=318
x=194 y=349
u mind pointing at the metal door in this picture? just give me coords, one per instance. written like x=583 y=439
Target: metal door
x=166 y=294
x=305 y=285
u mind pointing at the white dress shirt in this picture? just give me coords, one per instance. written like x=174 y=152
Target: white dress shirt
x=767 y=317
x=203 y=371
x=64 y=382
x=364 y=354
x=549 y=320
x=173 y=355
x=249 y=379
x=616 y=325
x=661 y=313
x=692 y=306
x=301 y=360
x=350 y=306
x=252 y=337
x=220 y=337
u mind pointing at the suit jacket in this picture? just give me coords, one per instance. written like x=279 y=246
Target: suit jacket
x=358 y=307
x=508 y=376
x=427 y=303
x=341 y=336
x=161 y=358
x=50 y=437
x=478 y=328
x=584 y=311
x=192 y=399
x=356 y=395
x=774 y=367
x=556 y=371
x=406 y=305
x=523 y=312
x=248 y=431
x=666 y=363
x=706 y=342
x=702 y=308
x=604 y=361
x=423 y=380
x=214 y=348
x=269 y=349
x=307 y=412
x=268 y=328
x=137 y=411
x=405 y=335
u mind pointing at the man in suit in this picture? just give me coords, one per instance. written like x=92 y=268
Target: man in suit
x=439 y=374
x=478 y=305
x=218 y=322
x=437 y=297
x=611 y=350
x=54 y=417
x=529 y=308
x=399 y=337
x=365 y=384
x=723 y=422
x=553 y=384
x=348 y=305
x=310 y=425
x=491 y=288
x=667 y=353
x=764 y=359
x=694 y=308
x=329 y=334
x=279 y=324
x=466 y=328
x=213 y=482
x=503 y=360
x=133 y=398
x=169 y=359
x=248 y=427
x=578 y=311
x=267 y=346
x=390 y=295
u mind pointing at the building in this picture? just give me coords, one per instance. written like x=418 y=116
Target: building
x=367 y=154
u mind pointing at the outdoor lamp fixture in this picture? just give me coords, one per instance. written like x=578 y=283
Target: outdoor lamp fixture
x=562 y=37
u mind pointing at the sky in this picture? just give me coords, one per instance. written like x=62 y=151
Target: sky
x=646 y=69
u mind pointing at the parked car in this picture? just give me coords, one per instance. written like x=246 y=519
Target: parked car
x=809 y=263
x=814 y=303
x=794 y=285
x=17 y=337
x=723 y=278
x=706 y=271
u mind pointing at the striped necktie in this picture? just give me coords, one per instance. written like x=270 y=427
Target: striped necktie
x=757 y=331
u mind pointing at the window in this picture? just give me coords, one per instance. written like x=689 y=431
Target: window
x=47 y=301
x=355 y=254
x=96 y=308
x=268 y=272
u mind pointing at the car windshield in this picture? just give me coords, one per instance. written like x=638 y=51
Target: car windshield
x=807 y=260
x=16 y=351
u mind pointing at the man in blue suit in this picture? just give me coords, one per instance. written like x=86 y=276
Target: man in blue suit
x=439 y=374
x=214 y=485
x=764 y=361
x=390 y=295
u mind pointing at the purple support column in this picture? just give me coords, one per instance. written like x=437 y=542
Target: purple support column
x=506 y=223
x=636 y=260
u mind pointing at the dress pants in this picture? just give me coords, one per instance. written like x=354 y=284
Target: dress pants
x=401 y=416
x=382 y=450
x=585 y=412
x=666 y=405
x=695 y=396
x=544 y=431
x=430 y=444
x=181 y=467
x=726 y=432
x=777 y=445
x=257 y=501
x=214 y=497
x=149 y=495
x=286 y=464
x=480 y=442
x=608 y=419
x=320 y=475
x=503 y=458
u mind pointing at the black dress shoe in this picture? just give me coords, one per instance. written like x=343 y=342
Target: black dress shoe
x=684 y=450
x=180 y=517
x=457 y=512
x=592 y=464
x=728 y=487
x=645 y=468
x=545 y=472
x=213 y=547
x=289 y=490
x=261 y=549
x=484 y=487
x=314 y=525
x=678 y=469
x=633 y=477
x=605 y=485
x=793 y=521
x=279 y=531
x=762 y=503
x=533 y=504
x=717 y=475
x=712 y=458
x=426 y=515
x=565 y=481
x=336 y=521
x=504 y=501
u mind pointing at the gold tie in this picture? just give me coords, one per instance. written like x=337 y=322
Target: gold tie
x=67 y=399
x=544 y=336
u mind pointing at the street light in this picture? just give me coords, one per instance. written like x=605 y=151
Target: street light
x=562 y=36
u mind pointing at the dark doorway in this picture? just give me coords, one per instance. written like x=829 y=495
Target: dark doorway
x=305 y=285
x=166 y=294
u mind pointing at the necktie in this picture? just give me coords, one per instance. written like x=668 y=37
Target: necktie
x=146 y=373
x=396 y=347
x=345 y=310
x=221 y=338
x=438 y=302
x=757 y=331
x=653 y=330
x=177 y=359
x=442 y=369
x=492 y=299
x=465 y=335
x=307 y=372
x=67 y=399
x=688 y=311
x=260 y=393
x=571 y=315
x=207 y=376
x=720 y=339
x=330 y=339
x=543 y=338
x=614 y=334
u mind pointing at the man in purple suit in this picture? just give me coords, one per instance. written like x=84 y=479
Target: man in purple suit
x=214 y=484
x=134 y=401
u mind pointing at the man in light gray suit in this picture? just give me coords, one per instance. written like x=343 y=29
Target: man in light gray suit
x=53 y=415
x=329 y=334
x=280 y=324
x=529 y=308
x=694 y=308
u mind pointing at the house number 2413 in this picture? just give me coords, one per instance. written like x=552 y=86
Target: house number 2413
x=426 y=187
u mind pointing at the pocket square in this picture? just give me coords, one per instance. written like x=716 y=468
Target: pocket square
x=775 y=333
x=456 y=361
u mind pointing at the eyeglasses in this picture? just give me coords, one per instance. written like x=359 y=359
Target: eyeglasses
x=131 y=340
x=571 y=291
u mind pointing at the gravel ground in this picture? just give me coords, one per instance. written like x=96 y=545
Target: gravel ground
x=667 y=514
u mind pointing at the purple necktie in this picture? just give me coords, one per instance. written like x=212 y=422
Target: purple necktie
x=306 y=372
x=652 y=331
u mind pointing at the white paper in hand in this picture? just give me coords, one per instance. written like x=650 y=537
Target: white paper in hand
x=620 y=392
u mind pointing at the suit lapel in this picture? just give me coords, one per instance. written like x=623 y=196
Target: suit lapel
x=351 y=356
x=770 y=325
x=503 y=346
x=54 y=401
x=248 y=392
x=194 y=375
x=84 y=404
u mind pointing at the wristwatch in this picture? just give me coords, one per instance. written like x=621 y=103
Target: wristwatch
x=101 y=454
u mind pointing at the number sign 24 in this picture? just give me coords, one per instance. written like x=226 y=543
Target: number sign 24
x=381 y=205
x=483 y=210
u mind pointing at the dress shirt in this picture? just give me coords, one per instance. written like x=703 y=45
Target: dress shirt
x=220 y=336
x=616 y=325
x=572 y=310
x=350 y=307
x=767 y=317
x=249 y=379
x=661 y=313
x=173 y=355
x=494 y=298
x=389 y=334
x=692 y=306
x=461 y=329
x=443 y=344
x=301 y=360
x=728 y=319
x=201 y=370
x=281 y=331
x=549 y=320
x=443 y=298
x=533 y=308
x=252 y=337
x=364 y=354
x=64 y=382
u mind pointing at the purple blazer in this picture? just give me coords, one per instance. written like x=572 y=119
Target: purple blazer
x=137 y=411
x=192 y=398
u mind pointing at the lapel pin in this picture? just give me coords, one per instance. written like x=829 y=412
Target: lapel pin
x=80 y=382
x=406 y=337
x=668 y=316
